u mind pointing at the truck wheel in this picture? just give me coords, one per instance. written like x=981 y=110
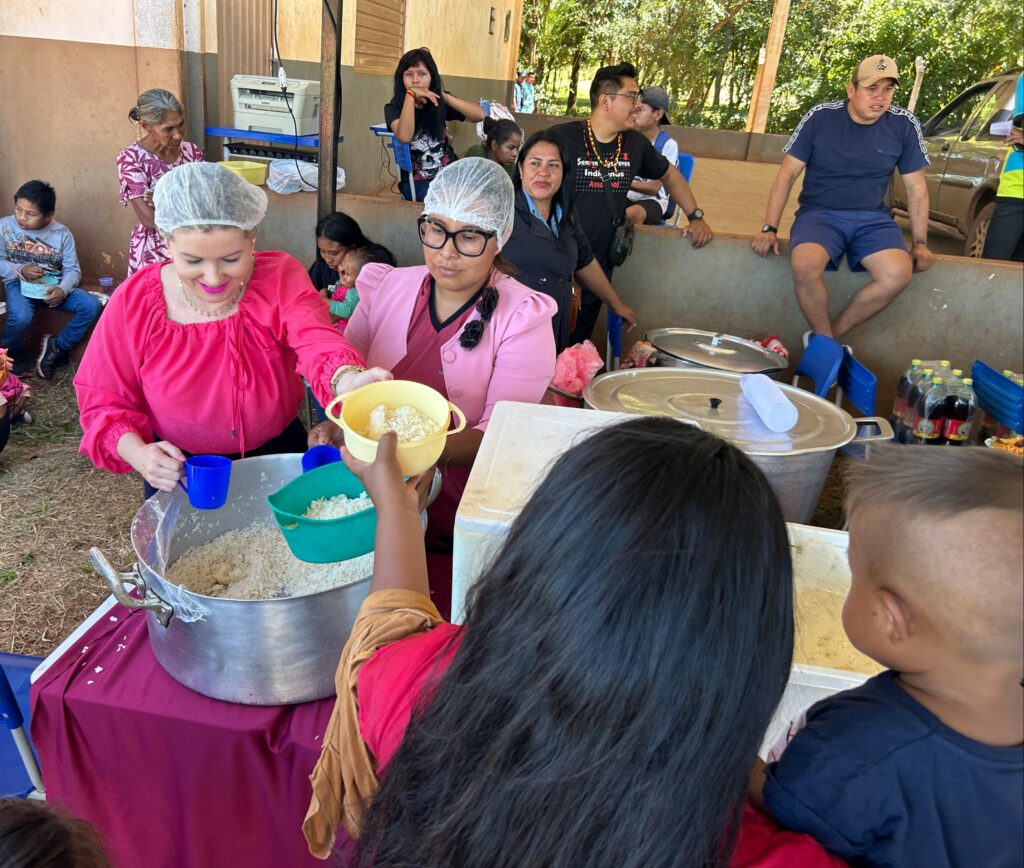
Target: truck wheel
x=978 y=232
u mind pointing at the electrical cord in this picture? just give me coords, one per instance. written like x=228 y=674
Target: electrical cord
x=284 y=89
x=282 y=78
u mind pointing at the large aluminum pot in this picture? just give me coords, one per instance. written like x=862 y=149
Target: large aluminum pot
x=255 y=652
x=696 y=349
x=796 y=463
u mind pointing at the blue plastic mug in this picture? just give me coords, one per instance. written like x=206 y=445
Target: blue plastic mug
x=318 y=456
x=208 y=478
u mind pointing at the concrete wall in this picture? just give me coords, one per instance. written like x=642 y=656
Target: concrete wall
x=700 y=142
x=69 y=72
x=71 y=69
x=961 y=309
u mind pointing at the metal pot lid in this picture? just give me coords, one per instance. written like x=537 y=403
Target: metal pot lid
x=714 y=350
x=714 y=401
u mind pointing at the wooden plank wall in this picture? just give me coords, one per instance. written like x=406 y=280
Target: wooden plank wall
x=380 y=35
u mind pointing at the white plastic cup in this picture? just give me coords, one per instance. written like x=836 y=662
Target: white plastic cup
x=777 y=412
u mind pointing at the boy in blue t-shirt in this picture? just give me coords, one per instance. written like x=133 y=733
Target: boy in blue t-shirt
x=849 y=149
x=923 y=765
x=39 y=266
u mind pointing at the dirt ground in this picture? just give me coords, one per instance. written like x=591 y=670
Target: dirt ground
x=54 y=505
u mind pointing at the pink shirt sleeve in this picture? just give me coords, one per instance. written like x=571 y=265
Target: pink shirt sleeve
x=110 y=398
x=132 y=175
x=358 y=331
x=525 y=361
x=320 y=349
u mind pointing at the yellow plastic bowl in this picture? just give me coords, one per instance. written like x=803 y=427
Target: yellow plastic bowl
x=415 y=457
x=254 y=173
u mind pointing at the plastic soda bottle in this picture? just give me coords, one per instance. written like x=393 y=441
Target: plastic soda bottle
x=899 y=406
x=918 y=384
x=960 y=408
x=930 y=413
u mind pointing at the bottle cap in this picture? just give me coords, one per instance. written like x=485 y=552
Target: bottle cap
x=936 y=379
x=915 y=361
x=928 y=371
x=957 y=372
x=945 y=363
x=968 y=381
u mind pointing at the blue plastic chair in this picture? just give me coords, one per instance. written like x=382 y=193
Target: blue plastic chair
x=820 y=363
x=684 y=163
x=12 y=778
x=403 y=156
x=613 y=352
x=857 y=384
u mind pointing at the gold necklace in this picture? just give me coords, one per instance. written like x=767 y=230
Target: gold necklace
x=217 y=314
x=597 y=154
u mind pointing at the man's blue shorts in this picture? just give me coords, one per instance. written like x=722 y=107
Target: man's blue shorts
x=855 y=233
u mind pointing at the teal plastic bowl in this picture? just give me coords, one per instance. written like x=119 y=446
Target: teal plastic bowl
x=332 y=540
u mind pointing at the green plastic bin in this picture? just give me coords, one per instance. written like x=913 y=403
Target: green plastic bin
x=323 y=542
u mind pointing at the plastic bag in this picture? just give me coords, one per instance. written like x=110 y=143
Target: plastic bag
x=639 y=355
x=575 y=367
x=162 y=517
x=291 y=176
x=497 y=111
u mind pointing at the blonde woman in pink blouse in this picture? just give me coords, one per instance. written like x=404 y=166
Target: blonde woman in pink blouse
x=204 y=354
x=459 y=324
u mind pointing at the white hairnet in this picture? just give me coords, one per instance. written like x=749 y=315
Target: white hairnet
x=475 y=191
x=205 y=194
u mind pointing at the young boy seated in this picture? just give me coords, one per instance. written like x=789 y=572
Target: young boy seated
x=343 y=295
x=923 y=765
x=38 y=266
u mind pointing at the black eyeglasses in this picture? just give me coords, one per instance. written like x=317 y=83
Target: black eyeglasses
x=468 y=242
x=633 y=97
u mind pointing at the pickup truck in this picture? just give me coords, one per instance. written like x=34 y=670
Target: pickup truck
x=966 y=159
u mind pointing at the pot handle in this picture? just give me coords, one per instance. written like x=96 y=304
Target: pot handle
x=117 y=581
x=885 y=432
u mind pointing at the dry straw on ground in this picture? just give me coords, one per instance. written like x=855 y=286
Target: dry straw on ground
x=54 y=505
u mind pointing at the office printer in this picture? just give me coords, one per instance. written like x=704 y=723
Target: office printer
x=260 y=105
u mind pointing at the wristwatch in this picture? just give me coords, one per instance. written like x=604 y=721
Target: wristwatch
x=769 y=228
x=695 y=214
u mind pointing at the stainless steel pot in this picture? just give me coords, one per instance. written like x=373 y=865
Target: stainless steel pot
x=796 y=463
x=255 y=652
x=693 y=348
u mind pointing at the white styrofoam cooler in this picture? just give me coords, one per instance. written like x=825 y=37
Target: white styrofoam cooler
x=521 y=443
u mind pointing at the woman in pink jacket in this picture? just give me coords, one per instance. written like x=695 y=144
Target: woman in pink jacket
x=203 y=354
x=459 y=324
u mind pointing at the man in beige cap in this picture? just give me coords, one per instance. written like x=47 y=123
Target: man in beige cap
x=849 y=149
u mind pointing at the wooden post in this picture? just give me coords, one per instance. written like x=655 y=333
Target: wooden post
x=330 y=106
x=764 y=82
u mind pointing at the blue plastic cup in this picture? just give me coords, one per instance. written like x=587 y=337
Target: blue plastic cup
x=318 y=456
x=208 y=478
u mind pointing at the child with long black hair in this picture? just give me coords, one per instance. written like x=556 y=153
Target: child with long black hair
x=502 y=140
x=619 y=663
x=417 y=114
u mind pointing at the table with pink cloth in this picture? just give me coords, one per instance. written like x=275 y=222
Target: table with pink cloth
x=167 y=776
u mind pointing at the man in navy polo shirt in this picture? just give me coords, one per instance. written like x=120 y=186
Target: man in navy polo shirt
x=850 y=148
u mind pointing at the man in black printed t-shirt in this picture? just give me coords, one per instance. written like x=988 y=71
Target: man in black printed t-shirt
x=605 y=153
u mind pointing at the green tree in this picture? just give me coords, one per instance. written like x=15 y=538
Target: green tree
x=704 y=52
